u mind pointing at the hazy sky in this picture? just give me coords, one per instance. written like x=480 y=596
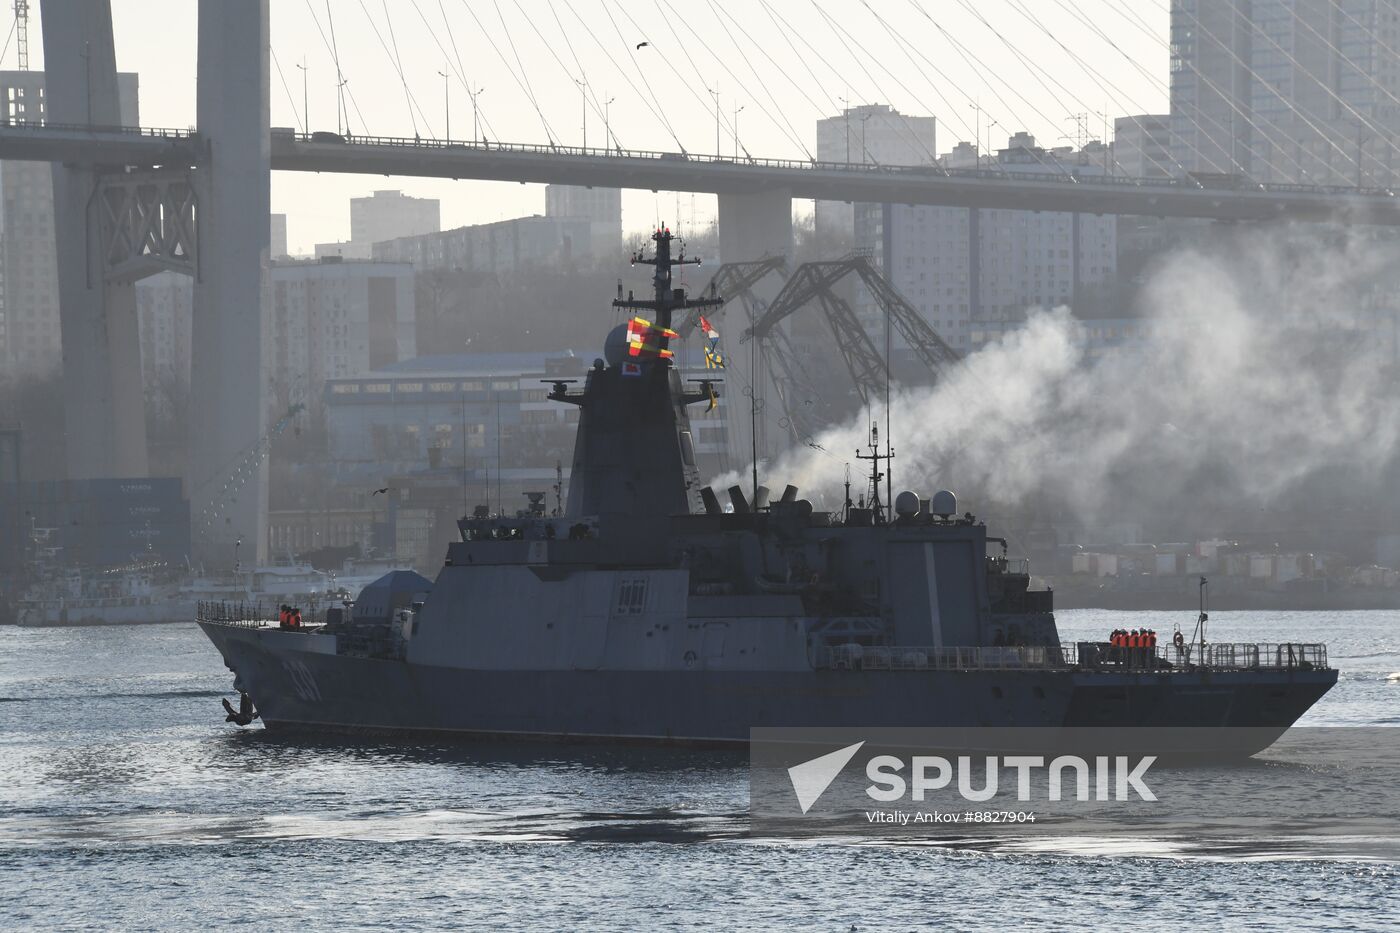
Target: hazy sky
x=786 y=62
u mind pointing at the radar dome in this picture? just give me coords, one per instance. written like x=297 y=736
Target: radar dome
x=615 y=346
x=944 y=504
x=906 y=504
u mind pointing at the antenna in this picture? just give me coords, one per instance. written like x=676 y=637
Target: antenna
x=1199 y=636
x=889 y=434
x=846 y=509
x=465 y=507
x=875 y=475
x=22 y=33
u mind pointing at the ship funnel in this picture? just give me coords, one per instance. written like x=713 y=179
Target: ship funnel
x=736 y=496
x=760 y=498
x=790 y=493
x=712 y=507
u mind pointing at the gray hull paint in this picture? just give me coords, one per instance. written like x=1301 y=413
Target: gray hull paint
x=301 y=689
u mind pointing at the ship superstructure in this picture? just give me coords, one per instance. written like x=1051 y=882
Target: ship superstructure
x=649 y=611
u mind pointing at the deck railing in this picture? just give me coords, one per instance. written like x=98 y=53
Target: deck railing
x=245 y=615
x=1080 y=656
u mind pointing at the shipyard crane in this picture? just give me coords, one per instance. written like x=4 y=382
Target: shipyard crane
x=792 y=382
x=736 y=280
x=815 y=283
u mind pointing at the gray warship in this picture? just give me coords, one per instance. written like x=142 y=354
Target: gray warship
x=649 y=612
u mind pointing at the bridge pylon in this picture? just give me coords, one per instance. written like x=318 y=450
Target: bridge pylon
x=115 y=224
x=103 y=403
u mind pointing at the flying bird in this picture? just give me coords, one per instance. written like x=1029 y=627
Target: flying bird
x=642 y=45
x=378 y=491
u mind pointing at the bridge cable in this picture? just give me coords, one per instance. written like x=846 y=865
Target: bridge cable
x=1074 y=10
x=1374 y=35
x=1237 y=110
x=301 y=121
x=1089 y=69
x=9 y=37
x=1041 y=75
x=1037 y=70
x=650 y=104
x=792 y=132
x=524 y=72
x=339 y=76
x=785 y=72
x=1283 y=99
x=797 y=139
x=458 y=70
x=631 y=52
x=1044 y=78
x=524 y=85
x=983 y=69
x=601 y=110
x=904 y=47
x=839 y=31
x=784 y=30
x=977 y=65
x=396 y=63
x=705 y=105
x=1254 y=25
x=1131 y=15
x=590 y=98
x=1201 y=117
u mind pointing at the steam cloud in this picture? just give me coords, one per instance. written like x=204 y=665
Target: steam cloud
x=1259 y=368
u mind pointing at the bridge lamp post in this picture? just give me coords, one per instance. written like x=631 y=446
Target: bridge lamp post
x=846 y=112
x=446 y=107
x=583 y=90
x=737 y=111
x=714 y=92
x=305 y=109
x=607 y=124
x=864 y=152
x=475 y=111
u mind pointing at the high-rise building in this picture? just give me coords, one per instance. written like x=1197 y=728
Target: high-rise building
x=601 y=207
x=277 y=245
x=1142 y=146
x=331 y=319
x=501 y=248
x=30 y=342
x=387 y=215
x=974 y=273
x=871 y=134
x=1297 y=91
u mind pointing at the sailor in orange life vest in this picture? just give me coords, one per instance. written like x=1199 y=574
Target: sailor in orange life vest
x=283 y=616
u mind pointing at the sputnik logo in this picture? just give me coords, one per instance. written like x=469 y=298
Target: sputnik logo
x=811 y=778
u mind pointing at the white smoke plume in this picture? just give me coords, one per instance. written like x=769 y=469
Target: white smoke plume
x=1260 y=365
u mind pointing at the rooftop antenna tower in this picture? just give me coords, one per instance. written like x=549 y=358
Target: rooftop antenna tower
x=22 y=33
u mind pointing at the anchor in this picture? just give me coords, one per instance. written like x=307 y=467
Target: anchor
x=245 y=713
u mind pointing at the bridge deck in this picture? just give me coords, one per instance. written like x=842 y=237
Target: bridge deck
x=667 y=171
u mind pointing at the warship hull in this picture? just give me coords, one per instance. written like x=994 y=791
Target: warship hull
x=298 y=683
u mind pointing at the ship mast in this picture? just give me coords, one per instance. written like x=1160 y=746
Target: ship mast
x=876 y=475
x=667 y=300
